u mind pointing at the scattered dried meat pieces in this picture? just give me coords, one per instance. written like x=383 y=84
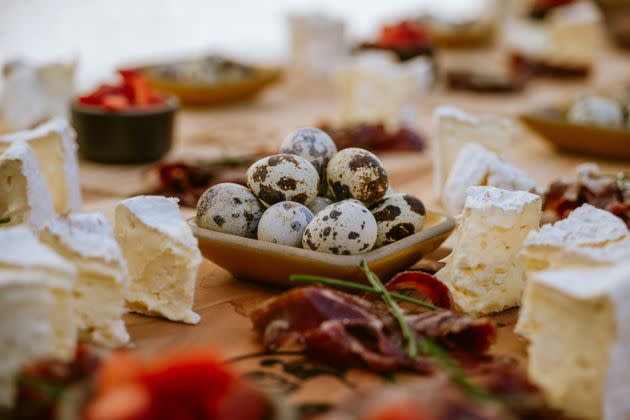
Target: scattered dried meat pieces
x=343 y=329
x=188 y=180
x=439 y=398
x=610 y=193
x=374 y=137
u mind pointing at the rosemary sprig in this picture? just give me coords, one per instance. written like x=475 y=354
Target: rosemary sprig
x=435 y=352
x=412 y=346
x=51 y=389
x=300 y=278
x=6 y=219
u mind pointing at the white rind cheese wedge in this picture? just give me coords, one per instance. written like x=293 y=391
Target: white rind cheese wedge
x=484 y=273
x=374 y=88
x=87 y=241
x=56 y=150
x=475 y=165
x=588 y=236
x=162 y=255
x=23 y=193
x=455 y=128
x=579 y=348
x=36 y=318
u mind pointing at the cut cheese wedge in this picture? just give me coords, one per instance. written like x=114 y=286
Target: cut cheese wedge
x=579 y=340
x=87 y=241
x=56 y=150
x=455 y=128
x=475 y=165
x=36 y=312
x=24 y=197
x=162 y=256
x=484 y=273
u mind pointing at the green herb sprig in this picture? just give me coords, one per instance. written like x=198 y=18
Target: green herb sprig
x=4 y=220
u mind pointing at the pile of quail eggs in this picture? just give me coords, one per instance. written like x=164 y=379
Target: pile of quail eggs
x=311 y=196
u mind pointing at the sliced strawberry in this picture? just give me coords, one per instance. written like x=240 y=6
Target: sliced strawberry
x=114 y=102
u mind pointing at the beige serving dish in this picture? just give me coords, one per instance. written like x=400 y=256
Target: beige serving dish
x=272 y=264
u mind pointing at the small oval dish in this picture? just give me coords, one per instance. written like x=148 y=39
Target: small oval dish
x=592 y=140
x=272 y=264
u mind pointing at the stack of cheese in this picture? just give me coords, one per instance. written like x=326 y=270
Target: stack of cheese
x=67 y=268
x=467 y=153
x=575 y=312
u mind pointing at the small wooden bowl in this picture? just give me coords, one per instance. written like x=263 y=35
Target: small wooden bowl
x=272 y=264
x=551 y=124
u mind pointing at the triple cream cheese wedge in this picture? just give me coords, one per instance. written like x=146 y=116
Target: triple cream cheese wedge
x=579 y=348
x=36 y=318
x=455 y=128
x=23 y=193
x=475 y=165
x=87 y=241
x=162 y=256
x=484 y=273
x=56 y=150
x=588 y=236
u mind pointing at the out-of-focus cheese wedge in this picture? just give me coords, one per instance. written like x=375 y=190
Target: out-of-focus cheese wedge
x=579 y=348
x=569 y=37
x=87 y=241
x=484 y=273
x=35 y=305
x=56 y=150
x=455 y=128
x=475 y=165
x=162 y=256
x=375 y=89
x=588 y=236
x=23 y=193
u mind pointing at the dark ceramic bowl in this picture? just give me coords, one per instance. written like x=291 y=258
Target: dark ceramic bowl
x=124 y=137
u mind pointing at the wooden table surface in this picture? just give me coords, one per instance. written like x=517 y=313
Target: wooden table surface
x=223 y=302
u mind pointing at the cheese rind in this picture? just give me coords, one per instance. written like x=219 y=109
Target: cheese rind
x=23 y=193
x=54 y=145
x=162 y=255
x=87 y=241
x=588 y=236
x=579 y=347
x=35 y=305
x=483 y=272
x=455 y=128
x=475 y=165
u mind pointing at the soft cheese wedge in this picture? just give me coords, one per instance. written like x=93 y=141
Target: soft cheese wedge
x=87 y=241
x=484 y=273
x=56 y=150
x=588 y=236
x=455 y=128
x=579 y=340
x=162 y=256
x=23 y=193
x=475 y=165
x=36 y=318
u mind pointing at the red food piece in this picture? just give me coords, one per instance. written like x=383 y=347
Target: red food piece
x=115 y=102
x=374 y=137
x=343 y=329
x=404 y=35
x=423 y=283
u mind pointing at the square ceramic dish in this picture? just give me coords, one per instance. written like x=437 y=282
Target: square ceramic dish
x=272 y=264
x=550 y=123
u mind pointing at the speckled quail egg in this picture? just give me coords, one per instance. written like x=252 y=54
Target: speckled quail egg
x=313 y=145
x=283 y=177
x=356 y=173
x=397 y=216
x=597 y=110
x=319 y=203
x=284 y=223
x=346 y=228
x=229 y=208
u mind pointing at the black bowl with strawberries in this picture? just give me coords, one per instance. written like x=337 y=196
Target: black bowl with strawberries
x=125 y=123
